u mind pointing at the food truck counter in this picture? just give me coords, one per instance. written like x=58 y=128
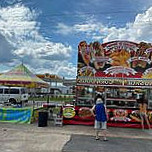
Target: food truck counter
x=117 y=116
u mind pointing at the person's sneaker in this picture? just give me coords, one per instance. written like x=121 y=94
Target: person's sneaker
x=97 y=138
x=105 y=139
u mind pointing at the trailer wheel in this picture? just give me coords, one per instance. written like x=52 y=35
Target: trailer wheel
x=12 y=101
x=26 y=101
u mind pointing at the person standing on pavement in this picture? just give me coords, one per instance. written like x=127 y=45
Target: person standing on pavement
x=99 y=112
x=143 y=111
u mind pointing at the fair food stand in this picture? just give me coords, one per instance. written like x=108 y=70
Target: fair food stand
x=20 y=76
x=122 y=71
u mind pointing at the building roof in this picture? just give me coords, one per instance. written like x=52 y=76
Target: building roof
x=48 y=76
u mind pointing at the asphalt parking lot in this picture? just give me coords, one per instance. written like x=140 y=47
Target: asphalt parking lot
x=71 y=138
x=83 y=143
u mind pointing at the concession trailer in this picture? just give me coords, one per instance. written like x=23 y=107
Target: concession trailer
x=119 y=70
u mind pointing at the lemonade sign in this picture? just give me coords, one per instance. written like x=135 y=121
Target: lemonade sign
x=68 y=112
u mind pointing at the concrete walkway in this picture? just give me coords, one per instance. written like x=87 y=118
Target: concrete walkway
x=31 y=138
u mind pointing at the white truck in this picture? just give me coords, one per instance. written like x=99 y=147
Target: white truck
x=13 y=95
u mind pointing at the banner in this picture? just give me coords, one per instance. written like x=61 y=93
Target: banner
x=110 y=81
x=77 y=115
x=118 y=117
x=116 y=59
x=16 y=115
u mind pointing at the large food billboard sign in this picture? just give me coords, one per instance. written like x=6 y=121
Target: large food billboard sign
x=115 y=63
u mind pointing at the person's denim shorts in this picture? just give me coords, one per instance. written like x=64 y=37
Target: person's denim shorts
x=100 y=125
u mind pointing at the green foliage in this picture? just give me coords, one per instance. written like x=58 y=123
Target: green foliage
x=56 y=110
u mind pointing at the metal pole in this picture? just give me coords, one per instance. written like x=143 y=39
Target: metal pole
x=48 y=99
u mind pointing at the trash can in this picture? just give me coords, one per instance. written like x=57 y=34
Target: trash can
x=42 y=119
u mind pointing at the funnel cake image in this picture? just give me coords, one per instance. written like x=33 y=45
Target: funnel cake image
x=120 y=58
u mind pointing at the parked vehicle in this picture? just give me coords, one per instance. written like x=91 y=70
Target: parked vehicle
x=13 y=95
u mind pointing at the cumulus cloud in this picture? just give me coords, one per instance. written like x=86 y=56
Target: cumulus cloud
x=139 y=30
x=64 y=29
x=5 y=47
x=64 y=68
x=21 y=40
x=87 y=28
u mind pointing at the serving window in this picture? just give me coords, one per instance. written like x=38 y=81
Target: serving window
x=126 y=97
x=114 y=96
x=85 y=95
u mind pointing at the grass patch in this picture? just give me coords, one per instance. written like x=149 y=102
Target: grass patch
x=54 y=99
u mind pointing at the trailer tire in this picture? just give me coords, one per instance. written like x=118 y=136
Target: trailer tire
x=12 y=101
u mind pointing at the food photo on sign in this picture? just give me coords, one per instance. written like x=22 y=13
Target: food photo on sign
x=85 y=112
x=120 y=115
x=69 y=112
x=135 y=116
x=150 y=116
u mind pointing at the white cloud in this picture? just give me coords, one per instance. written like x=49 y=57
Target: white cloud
x=64 y=29
x=96 y=31
x=63 y=68
x=19 y=29
x=139 y=30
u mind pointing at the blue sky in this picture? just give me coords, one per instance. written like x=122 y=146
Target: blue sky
x=44 y=34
